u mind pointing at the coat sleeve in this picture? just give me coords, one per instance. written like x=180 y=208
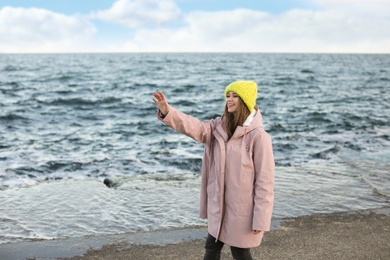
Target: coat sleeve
x=264 y=182
x=186 y=124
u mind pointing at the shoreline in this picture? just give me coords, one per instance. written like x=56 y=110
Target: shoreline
x=341 y=235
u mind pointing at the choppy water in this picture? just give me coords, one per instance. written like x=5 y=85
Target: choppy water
x=67 y=122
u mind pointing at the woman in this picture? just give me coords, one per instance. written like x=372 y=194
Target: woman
x=237 y=170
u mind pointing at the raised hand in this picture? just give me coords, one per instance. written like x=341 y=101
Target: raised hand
x=160 y=100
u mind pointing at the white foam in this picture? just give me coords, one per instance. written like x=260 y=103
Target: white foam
x=84 y=207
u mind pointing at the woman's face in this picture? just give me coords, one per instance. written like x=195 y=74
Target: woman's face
x=232 y=102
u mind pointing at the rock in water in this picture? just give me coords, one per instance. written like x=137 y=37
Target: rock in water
x=109 y=183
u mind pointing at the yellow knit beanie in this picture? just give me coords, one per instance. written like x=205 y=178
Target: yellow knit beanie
x=247 y=90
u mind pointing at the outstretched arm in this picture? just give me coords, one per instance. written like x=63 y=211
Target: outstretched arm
x=160 y=100
x=181 y=122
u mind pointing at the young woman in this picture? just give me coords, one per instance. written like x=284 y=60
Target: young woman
x=237 y=187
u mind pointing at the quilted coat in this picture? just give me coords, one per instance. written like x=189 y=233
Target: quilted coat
x=237 y=183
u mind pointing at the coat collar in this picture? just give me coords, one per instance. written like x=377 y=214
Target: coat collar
x=249 y=119
x=253 y=121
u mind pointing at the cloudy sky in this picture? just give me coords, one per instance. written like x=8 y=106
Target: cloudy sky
x=335 y=26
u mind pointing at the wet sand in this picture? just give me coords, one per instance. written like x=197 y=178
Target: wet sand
x=355 y=235
x=347 y=235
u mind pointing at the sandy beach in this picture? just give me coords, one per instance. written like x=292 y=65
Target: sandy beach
x=346 y=235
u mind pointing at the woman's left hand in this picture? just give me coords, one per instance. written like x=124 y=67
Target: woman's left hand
x=160 y=100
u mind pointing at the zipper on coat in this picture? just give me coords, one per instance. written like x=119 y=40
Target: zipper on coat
x=223 y=204
x=246 y=143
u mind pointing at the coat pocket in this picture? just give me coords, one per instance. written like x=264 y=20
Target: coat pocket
x=246 y=204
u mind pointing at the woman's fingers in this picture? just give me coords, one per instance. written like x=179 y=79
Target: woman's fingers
x=158 y=97
x=160 y=100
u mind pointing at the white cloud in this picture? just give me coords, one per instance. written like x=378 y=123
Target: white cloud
x=365 y=7
x=251 y=31
x=353 y=2
x=140 y=13
x=39 y=30
x=240 y=30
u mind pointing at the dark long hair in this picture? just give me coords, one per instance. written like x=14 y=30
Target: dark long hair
x=237 y=118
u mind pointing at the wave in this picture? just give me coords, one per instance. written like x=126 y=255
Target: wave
x=294 y=80
x=143 y=85
x=326 y=154
x=318 y=117
x=380 y=193
x=81 y=101
x=186 y=88
x=10 y=87
x=9 y=68
x=63 y=165
x=378 y=190
x=12 y=117
x=307 y=71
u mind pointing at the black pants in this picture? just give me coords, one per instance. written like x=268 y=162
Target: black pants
x=213 y=250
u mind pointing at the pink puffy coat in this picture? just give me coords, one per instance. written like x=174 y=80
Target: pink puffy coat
x=237 y=188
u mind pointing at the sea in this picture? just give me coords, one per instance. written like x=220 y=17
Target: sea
x=68 y=122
